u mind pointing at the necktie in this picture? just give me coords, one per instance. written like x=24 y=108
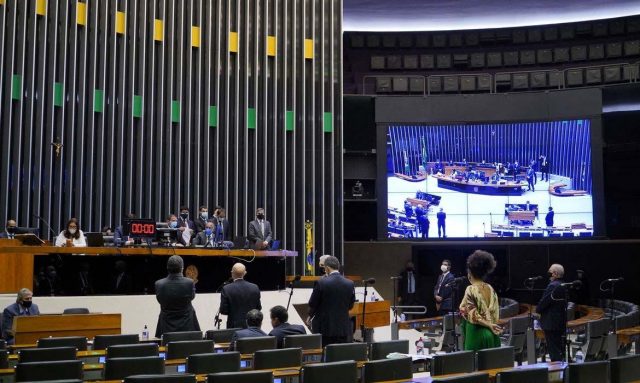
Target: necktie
x=440 y=282
x=411 y=287
x=262 y=228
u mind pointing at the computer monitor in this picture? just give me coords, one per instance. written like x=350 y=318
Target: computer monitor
x=94 y=239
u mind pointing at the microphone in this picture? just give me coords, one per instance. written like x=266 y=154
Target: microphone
x=456 y=281
x=45 y=223
x=536 y=278
x=370 y=281
x=575 y=284
x=396 y=277
x=615 y=280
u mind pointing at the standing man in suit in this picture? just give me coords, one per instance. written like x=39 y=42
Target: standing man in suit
x=423 y=221
x=530 y=179
x=260 y=231
x=281 y=327
x=223 y=228
x=441 y=292
x=238 y=298
x=175 y=293
x=23 y=306
x=548 y=219
x=408 y=286
x=206 y=237
x=202 y=219
x=544 y=167
x=553 y=319
x=442 y=223
x=186 y=227
x=10 y=229
x=252 y=328
x=329 y=305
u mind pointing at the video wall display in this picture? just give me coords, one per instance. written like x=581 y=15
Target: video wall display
x=516 y=179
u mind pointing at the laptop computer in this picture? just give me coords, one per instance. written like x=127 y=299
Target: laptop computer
x=94 y=239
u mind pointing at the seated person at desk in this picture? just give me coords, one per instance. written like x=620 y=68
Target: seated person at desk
x=10 y=229
x=119 y=238
x=281 y=327
x=253 y=330
x=205 y=238
x=23 y=306
x=71 y=236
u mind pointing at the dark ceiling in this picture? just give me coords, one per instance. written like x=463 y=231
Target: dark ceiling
x=432 y=15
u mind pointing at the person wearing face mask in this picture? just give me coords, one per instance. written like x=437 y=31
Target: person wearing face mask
x=10 y=230
x=206 y=237
x=202 y=219
x=260 y=231
x=441 y=292
x=23 y=306
x=119 y=238
x=552 y=313
x=223 y=228
x=321 y=264
x=408 y=287
x=71 y=236
x=186 y=227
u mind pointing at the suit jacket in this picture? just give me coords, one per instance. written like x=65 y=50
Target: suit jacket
x=332 y=298
x=287 y=329
x=548 y=219
x=201 y=239
x=552 y=310
x=175 y=293
x=237 y=299
x=256 y=235
x=188 y=224
x=444 y=291
x=125 y=286
x=403 y=286
x=4 y=234
x=9 y=313
x=118 y=237
x=250 y=332
x=201 y=224
x=226 y=228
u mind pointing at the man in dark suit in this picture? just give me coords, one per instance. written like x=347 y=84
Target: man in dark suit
x=202 y=219
x=531 y=185
x=329 y=305
x=441 y=292
x=186 y=227
x=548 y=219
x=175 y=293
x=281 y=327
x=260 y=231
x=553 y=318
x=206 y=237
x=238 y=298
x=223 y=228
x=10 y=229
x=23 y=306
x=251 y=328
x=442 y=223
x=408 y=286
x=544 y=167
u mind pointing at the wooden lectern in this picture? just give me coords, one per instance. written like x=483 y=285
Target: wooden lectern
x=16 y=268
x=377 y=314
x=28 y=329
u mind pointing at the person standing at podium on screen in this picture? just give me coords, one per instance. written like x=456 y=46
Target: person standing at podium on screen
x=10 y=230
x=260 y=231
x=23 y=306
x=71 y=236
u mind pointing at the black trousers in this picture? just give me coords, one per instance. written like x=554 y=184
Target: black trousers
x=553 y=338
x=441 y=226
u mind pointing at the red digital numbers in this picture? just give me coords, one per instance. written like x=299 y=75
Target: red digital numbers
x=142 y=228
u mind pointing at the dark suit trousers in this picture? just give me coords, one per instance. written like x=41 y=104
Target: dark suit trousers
x=553 y=338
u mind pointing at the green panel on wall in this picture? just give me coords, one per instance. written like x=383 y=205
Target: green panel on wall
x=213 y=115
x=175 y=111
x=137 y=106
x=289 y=121
x=251 y=118
x=98 y=101
x=58 y=94
x=16 y=87
x=328 y=122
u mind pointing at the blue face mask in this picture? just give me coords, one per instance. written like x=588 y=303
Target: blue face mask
x=208 y=232
x=173 y=224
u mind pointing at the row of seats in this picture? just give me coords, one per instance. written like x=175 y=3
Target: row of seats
x=510 y=58
x=522 y=35
x=627 y=314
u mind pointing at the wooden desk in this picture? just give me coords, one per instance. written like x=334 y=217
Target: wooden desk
x=521 y=215
x=313 y=278
x=16 y=265
x=28 y=329
x=376 y=314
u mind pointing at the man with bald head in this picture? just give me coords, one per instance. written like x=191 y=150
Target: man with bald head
x=10 y=229
x=238 y=298
x=23 y=306
x=321 y=263
x=551 y=308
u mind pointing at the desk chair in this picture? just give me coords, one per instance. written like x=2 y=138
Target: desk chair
x=345 y=351
x=387 y=369
x=120 y=368
x=528 y=375
x=478 y=377
x=453 y=363
x=499 y=357
x=212 y=363
x=343 y=372
x=625 y=368
x=79 y=342
x=132 y=350
x=305 y=342
x=101 y=342
x=173 y=378
x=39 y=371
x=180 y=335
x=380 y=350
x=517 y=337
x=221 y=336
x=244 y=377
x=182 y=349
x=251 y=345
x=28 y=355
x=280 y=358
x=588 y=372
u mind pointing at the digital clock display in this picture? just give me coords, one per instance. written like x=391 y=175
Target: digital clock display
x=139 y=228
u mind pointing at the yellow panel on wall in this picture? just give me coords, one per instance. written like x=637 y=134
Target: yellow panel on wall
x=1 y=2
x=81 y=13
x=158 y=30
x=41 y=7
x=120 y=22
x=233 y=42
x=271 y=46
x=308 y=49
x=195 y=37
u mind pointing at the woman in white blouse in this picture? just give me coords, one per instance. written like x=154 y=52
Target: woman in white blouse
x=71 y=236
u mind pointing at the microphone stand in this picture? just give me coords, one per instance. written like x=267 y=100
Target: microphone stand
x=47 y=225
x=363 y=329
x=217 y=321
x=291 y=291
x=454 y=290
x=611 y=301
x=395 y=300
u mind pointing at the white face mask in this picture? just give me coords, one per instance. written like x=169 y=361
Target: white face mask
x=72 y=231
x=444 y=268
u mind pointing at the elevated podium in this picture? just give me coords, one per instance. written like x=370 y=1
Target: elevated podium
x=28 y=329
x=16 y=266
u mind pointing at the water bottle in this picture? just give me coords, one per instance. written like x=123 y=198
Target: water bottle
x=145 y=333
x=373 y=296
x=579 y=356
x=420 y=346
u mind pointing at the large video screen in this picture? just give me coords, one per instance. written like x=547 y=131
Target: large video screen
x=520 y=180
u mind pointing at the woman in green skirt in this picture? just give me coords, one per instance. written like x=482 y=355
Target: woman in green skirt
x=479 y=307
